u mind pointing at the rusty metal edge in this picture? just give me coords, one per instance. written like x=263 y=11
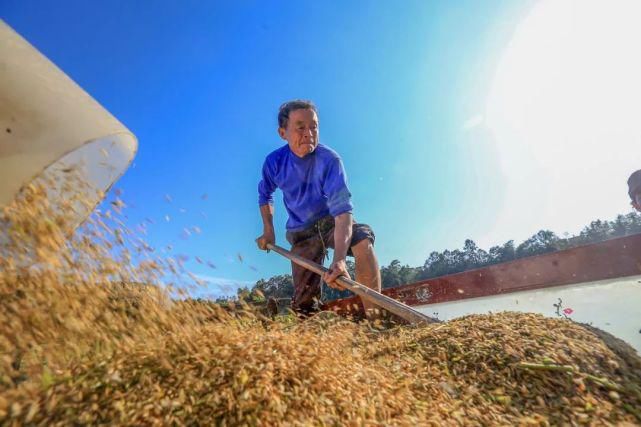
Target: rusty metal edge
x=613 y=258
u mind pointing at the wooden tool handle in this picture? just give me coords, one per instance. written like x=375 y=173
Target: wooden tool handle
x=367 y=294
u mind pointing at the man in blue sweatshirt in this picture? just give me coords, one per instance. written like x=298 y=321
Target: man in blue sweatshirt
x=314 y=186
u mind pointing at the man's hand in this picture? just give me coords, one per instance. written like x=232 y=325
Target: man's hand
x=338 y=268
x=267 y=214
x=262 y=241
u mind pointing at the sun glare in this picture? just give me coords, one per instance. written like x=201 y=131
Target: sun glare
x=565 y=113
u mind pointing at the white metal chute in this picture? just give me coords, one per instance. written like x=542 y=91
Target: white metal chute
x=50 y=125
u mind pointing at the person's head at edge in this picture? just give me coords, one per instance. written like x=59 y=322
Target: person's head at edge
x=634 y=189
x=298 y=125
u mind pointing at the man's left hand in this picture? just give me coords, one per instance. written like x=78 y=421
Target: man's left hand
x=337 y=269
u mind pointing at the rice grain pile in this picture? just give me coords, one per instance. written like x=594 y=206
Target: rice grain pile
x=88 y=339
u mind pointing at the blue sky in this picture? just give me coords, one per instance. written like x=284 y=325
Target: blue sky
x=401 y=88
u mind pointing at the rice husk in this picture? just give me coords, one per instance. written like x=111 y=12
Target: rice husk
x=90 y=336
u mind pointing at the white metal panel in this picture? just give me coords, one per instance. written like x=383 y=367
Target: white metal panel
x=611 y=305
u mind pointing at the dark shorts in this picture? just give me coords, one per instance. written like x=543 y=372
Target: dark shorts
x=312 y=243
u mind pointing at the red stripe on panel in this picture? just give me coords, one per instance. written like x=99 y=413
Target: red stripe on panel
x=619 y=257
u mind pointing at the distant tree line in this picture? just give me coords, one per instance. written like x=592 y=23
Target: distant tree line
x=455 y=261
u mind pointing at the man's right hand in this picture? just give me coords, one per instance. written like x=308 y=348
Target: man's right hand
x=263 y=240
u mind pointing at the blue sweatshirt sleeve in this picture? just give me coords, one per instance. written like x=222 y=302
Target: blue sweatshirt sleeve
x=335 y=188
x=266 y=187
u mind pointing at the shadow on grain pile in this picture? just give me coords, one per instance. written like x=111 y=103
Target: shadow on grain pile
x=83 y=341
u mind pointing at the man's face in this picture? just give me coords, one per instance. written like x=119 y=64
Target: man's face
x=301 y=132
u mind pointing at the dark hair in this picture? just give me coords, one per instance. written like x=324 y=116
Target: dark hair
x=289 y=106
x=634 y=183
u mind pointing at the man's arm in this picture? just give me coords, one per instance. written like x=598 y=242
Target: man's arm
x=342 y=238
x=267 y=214
x=266 y=188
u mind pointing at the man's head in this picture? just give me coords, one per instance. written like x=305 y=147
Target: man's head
x=298 y=125
x=634 y=189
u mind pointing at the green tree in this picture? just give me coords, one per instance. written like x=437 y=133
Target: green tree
x=281 y=286
x=504 y=253
x=542 y=242
x=396 y=274
x=243 y=293
x=597 y=231
x=473 y=256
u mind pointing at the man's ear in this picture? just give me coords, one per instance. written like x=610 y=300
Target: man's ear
x=281 y=133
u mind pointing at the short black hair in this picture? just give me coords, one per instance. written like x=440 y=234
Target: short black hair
x=289 y=106
x=634 y=183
